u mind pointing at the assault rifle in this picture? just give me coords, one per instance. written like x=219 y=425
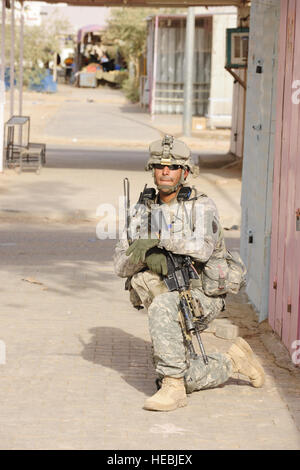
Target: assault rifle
x=180 y=272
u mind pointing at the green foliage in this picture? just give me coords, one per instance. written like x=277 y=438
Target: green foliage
x=130 y=89
x=39 y=45
x=127 y=28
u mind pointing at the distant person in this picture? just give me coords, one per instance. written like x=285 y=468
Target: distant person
x=68 y=68
x=107 y=63
x=94 y=52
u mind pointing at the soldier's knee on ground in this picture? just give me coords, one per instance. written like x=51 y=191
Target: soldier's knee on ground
x=200 y=376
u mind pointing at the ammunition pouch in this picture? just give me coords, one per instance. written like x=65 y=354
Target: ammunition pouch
x=223 y=276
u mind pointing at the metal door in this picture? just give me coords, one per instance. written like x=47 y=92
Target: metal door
x=284 y=308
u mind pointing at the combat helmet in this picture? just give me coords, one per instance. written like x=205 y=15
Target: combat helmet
x=170 y=151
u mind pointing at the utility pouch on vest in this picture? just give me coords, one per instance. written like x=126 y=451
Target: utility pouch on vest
x=224 y=276
x=214 y=277
x=237 y=272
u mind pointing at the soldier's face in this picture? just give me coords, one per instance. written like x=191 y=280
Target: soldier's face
x=167 y=177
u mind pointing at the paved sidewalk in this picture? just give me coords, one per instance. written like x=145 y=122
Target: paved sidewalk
x=78 y=365
x=103 y=117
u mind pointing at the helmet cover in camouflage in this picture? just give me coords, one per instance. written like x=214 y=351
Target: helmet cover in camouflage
x=169 y=151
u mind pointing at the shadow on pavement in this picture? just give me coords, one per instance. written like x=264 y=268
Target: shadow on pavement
x=93 y=159
x=127 y=160
x=67 y=261
x=127 y=354
x=130 y=356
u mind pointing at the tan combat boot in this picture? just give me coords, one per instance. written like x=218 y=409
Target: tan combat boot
x=245 y=363
x=172 y=395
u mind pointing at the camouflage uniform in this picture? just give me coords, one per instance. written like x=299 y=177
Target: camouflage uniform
x=170 y=357
x=190 y=228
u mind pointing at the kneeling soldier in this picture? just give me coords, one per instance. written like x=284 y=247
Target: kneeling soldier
x=177 y=221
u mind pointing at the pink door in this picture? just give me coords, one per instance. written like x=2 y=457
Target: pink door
x=284 y=303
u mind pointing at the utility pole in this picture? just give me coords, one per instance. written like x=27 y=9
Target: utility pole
x=21 y=59
x=12 y=58
x=2 y=86
x=188 y=72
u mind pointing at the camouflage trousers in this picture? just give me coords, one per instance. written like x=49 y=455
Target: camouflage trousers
x=169 y=350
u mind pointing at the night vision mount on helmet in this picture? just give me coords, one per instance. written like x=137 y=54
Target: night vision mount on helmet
x=169 y=151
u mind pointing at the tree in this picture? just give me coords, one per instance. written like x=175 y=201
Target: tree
x=127 y=27
x=40 y=44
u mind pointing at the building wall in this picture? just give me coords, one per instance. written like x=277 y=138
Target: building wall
x=221 y=88
x=256 y=200
x=167 y=64
x=239 y=97
x=284 y=306
x=165 y=60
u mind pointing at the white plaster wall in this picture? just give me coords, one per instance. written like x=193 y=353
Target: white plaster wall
x=238 y=98
x=221 y=89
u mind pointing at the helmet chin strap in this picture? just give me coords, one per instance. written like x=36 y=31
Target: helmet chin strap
x=169 y=189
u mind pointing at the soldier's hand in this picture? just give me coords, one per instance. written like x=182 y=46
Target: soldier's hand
x=157 y=262
x=139 y=248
